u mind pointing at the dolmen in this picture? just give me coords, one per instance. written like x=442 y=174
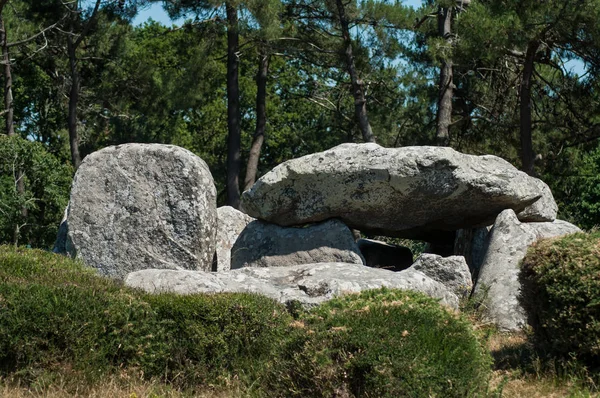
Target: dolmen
x=147 y=214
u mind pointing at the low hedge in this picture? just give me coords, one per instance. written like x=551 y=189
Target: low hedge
x=381 y=343
x=561 y=294
x=55 y=311
x=384 y=343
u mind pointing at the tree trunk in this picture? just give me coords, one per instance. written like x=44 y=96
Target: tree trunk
x=73 y=99
x=261 y=119
x=360 y=103
x=8 y=96
x=527 y=155
x=446 y=86
x=233 y=108
x=9 y=117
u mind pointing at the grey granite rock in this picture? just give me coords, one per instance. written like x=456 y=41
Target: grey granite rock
x=309 y=284
x=262 y=244
x=412 y=192
x=498 y=277
x=452 y=272
x=139 y=206
x=231 y=223
x=542 y=210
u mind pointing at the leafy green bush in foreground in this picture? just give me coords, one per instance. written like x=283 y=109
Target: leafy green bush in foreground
x=382 y=343
x=53 y=311
x=561 y=294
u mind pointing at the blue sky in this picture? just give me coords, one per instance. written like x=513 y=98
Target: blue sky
x=156 y=12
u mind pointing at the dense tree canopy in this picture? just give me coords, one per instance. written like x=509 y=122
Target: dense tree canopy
x=247 y=85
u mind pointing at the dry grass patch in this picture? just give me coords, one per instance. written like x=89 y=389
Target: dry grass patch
x=114 y=387
x=520 y=372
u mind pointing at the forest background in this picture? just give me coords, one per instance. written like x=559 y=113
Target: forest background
x=247 y=85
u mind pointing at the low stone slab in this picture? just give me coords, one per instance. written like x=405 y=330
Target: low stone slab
x=412 y=192
x=452 y=272
x=308 y=284
x=498 y=280
x=262 y=244
x=230 y=224
x=139 y=206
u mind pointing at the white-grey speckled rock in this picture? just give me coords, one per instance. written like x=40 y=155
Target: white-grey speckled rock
x=410 y=192
x=507 y=245
x=542 y=210
x=138 y=206
x=262 y=244
x=452 y=272
x=309 y=284
x=230 y=224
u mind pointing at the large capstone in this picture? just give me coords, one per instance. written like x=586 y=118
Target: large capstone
x=498 y=283
x=308 y=284
x=262 y=244
x=413 y=192
x=139 y=206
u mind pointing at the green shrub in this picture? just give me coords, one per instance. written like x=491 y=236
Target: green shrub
x=55 y=311
x=561 y=293
x=381 y=343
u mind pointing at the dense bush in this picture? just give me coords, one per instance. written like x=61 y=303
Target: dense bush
x=54 y=311
x=44 y=195
x=561 y=294
x=381 y=343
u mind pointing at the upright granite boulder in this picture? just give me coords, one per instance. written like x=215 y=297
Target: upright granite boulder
x=307 y=284
x=231 y=223
x=139 y=206
x=498 y=284
x=268 y=245
x=413 y=192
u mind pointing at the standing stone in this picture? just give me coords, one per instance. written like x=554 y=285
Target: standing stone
x=498 y=278
x=382 y=255
x=139 y=206
x=268 y=245
x=411 y=192
x=452 y=272
x=231 y=223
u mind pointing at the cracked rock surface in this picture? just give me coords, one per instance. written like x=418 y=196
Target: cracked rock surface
x=410 y=192
x=139 y=206
x=309 y=284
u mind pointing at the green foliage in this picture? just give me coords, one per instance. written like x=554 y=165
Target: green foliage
x=55 y=311
x=561 y=294
x=33 y=215
x=381 y=343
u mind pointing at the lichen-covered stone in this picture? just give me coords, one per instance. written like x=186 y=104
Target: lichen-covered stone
x=498 y=281
x=139 y=206
x=452 y=272
x=411 y=192
x=308 y=284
